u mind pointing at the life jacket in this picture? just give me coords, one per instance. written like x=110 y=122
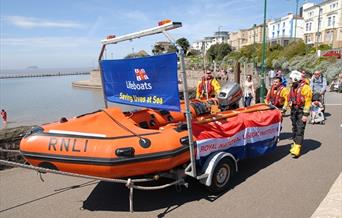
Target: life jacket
x=206 y=86
x=295 y=97
x=275 y=97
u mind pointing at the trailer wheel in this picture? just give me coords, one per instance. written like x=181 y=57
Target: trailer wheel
x=222 y=174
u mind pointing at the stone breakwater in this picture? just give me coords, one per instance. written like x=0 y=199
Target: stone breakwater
x=9 y=141
x=11 y=76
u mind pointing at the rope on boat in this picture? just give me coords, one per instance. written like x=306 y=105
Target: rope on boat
x=121 y=125
x=45 y=170
x=129 y=182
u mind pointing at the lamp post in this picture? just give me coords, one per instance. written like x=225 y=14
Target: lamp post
x=219 y=33
x=254 y=48
x=262 y=76
x=295 y=17
x=203 y=46
x=318 y=34
x=219 y=29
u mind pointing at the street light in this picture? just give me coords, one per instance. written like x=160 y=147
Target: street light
x=219 y=33
x=219 y=29
x=254 y=48
x=262 y=78
x=295 y=30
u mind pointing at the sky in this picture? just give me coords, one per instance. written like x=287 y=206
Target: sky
x=67 y=34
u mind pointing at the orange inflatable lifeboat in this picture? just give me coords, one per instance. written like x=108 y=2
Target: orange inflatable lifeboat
x=114 y=144
x=110 y=143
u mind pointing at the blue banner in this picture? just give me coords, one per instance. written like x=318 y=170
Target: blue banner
x=150 y=82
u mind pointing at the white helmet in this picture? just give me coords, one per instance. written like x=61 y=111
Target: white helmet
x=295 y=76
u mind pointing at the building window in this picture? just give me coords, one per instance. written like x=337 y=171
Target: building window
x=273 y=27
x=278 y=33
x=278 y=26
x=329 y=21
x=333 y=21
x=321 y=11
x=272 y=35
x=283 y=24
x=333 y=6
x=329 y=36
x=283 y=32
x=308 y=26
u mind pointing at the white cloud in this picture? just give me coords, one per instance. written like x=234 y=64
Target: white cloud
x=46 y=42
x=136 y=15
x=30 y=22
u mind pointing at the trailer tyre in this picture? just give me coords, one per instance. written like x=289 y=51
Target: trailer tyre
x=222 y=175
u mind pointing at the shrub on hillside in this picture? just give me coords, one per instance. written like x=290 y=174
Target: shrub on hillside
x=302 y=62
x=333 y=70
x=278 y=63
x=293 y=49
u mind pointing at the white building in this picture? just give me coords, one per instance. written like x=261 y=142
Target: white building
x=245 y=37
x=285 y=29
x=219 y=37
x=323 y=23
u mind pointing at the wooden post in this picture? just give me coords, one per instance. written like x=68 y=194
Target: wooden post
x=237 y=72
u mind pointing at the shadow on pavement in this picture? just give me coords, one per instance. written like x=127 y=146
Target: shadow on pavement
x=326 y=114
x=285 y=135
x=114 y=197
x=58 y=191
x=310 y=145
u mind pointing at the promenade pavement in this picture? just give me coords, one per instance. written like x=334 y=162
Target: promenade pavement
x=331 y=206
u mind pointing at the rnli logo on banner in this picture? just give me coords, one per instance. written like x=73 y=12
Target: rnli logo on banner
x=139 y=81
x=141 y=74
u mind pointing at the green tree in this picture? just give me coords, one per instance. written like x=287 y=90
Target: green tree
x=223 y=50
x=160 y=48
x=184 y=43
x=139 y=54
x=218 y=51
x=294 y=48
x=157 y=49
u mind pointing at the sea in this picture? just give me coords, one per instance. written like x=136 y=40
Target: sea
x=39 y=100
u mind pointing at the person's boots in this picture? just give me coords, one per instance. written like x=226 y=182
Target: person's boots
x=295 y=150
x=292 y=148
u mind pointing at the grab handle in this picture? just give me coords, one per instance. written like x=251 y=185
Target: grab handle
x=125 y=152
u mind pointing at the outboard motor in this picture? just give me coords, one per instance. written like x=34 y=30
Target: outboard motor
x=229 y=96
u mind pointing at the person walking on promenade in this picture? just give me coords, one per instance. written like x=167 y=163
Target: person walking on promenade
x=277 y=94
x=299 y=100
x=223 y=75
x=208 y=87
x=3 y=114
x=318 y=85
x=248 y=89
x=283 y=79
x=305 y=76
x=271 y=76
